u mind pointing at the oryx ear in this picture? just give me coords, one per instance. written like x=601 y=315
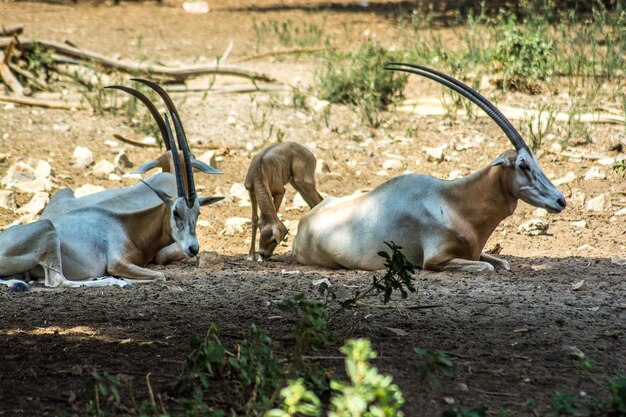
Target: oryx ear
x=205 y=201
x=501 y=160
x=206 y=168
x=165 y=198
x=146 y=167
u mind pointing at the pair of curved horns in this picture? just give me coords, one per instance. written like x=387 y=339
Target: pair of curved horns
x=467 y=92
x=159 y=120
x=168 y=137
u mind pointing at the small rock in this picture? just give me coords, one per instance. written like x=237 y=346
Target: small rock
x=322 y=167
x=618 y=260
x=463 y=387
x=556 y=147
x=540 y=212
x=22 y=176
x=88 y=189
x=234 y=225
x=581 y=224
x=382 y=173
x=435 y=154
x=578 y=198
x=209 y=157
x=114 y=177
x=599 y=203
x=43 y=169
x=230 y=120
x=103 y=168
x=448 y=400
x=316 y=104
x=579 y=285
x=210 y=260
x=318 y=282
x=534 y=227
x=621 y=212
x=7 y=200
x=573 y=352
x=196 y=7
x=455 y=175
x=61 y=128
x=149 y=140
x=391 y=164
x=238 y=190
x=585 y=247
x=606 y=161
x=36 y=205
x=595 y=173
x=112 y=144
x=569 y=177
x=82 y=157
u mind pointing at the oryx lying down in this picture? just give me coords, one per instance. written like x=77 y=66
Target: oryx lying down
x=269 y=171
x=441 y=225
x=64 y=201
x=117 y=237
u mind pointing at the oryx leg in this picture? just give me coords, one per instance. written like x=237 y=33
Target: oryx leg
x=255 y=226
x=168 y=254
x=303 y=181
x=495 y=261
x=465 y=265
x=134 y=273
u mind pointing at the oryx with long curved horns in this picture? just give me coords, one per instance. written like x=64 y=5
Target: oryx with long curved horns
x=441 y=225
x=114 y=233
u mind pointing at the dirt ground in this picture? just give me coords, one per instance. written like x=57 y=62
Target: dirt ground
x=510 y=335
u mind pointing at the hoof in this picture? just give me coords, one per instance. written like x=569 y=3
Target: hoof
x=20 y=286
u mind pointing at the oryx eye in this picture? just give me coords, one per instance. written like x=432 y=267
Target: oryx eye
x=176 y=215
x=524 y=165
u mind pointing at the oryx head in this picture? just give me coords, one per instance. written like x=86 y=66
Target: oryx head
x=270 y=235
x=185 y=208
x=528 y=182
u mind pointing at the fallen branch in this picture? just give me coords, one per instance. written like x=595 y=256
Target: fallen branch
x=9 y=79
x=26 y=101
x=30 y=77
x=180 y=73
x=11 y=30
x=134 y=142
x=278 y=53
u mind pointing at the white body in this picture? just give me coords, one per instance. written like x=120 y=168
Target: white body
x=440 y=225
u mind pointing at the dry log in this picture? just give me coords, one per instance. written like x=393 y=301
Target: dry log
x=41 y=103
x=180 y=73
x=11 y=30
x=134 y=142
x=30 y=77
x=9 y=79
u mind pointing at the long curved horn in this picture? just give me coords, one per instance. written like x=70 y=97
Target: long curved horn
x=179 y=174
x=489 y=108
x=151 y=107
x=187 y=155
x=166 y=99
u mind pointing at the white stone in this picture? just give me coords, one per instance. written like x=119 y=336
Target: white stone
x=230 y=120
x=149 y=140
x=316 y=104
x=599 y=203
x=238 y=191
x=7 y=200
x=22 y=176
x=382 y=173
x=455 y=175
x=61 y=127
x=569 y=177
x=595 y=173
x=435 y=154
x=581 y=224
x=196 y=7
x=36 y=205
x=391 y=164
x=534 y=227
x=578 y=198
x=103 y=168
x=585 y=247
x=43 y=169
x=114 y=177
x=82 y=157
x=88 y=189
x=621 y=212
x=234 y=225
x=618 y=260
x=540 y=212
x=606 y=161
x=556 y=147
x=112 y=143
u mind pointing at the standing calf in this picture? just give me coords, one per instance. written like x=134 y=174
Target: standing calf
x=269 y=171
x=441 y=225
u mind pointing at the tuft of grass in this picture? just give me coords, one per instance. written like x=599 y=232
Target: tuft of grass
x=288 y=33
x=361 y=81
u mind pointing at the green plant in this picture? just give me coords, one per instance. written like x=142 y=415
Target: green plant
x=540 y=123
x=366 y=394
x=523 y=58
x=397 y=278
x=39 y=61
x=362 y=82
x=619 y=166
x=289 y=33
x=102 y=394
x=310 y=324
x=432 y=362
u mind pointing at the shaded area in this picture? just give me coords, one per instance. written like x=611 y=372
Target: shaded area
x=507 y=334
